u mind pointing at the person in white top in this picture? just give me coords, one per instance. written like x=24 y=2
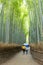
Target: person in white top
x=27 y=47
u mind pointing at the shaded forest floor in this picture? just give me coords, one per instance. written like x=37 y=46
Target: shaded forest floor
x=20 y=59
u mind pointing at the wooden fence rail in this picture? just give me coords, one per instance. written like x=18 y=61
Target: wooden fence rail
x=7 y=51
x=38 y=55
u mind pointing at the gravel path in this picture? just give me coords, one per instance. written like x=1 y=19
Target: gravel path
x=20 y=59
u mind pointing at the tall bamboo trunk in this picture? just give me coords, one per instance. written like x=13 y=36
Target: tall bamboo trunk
x=2 y=20
x=37 y=21
x=40 y=11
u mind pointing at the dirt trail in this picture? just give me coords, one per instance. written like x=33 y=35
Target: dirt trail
x=20 y=59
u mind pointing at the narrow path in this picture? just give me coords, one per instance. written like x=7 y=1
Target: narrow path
x=20 y=59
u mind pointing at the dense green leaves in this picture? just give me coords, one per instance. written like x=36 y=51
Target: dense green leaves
x=20 y=19
x=11 y=25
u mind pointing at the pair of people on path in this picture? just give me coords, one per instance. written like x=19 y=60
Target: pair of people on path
x=24 y=49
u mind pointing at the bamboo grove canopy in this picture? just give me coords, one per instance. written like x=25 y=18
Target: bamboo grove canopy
x=19 y=19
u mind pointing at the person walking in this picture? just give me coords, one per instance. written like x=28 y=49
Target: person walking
x=26 y=50
x=27 y=47
x=23 y=49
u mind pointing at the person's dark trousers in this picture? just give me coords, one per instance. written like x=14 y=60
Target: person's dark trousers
x=23 y=51
x=26 y=51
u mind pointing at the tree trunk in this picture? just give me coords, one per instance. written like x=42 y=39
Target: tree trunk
x=37 y=19
x=40 y=11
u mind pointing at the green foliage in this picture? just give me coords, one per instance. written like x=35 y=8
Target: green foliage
x=19 y=18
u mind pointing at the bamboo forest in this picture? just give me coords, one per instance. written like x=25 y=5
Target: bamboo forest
x=21 y=24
